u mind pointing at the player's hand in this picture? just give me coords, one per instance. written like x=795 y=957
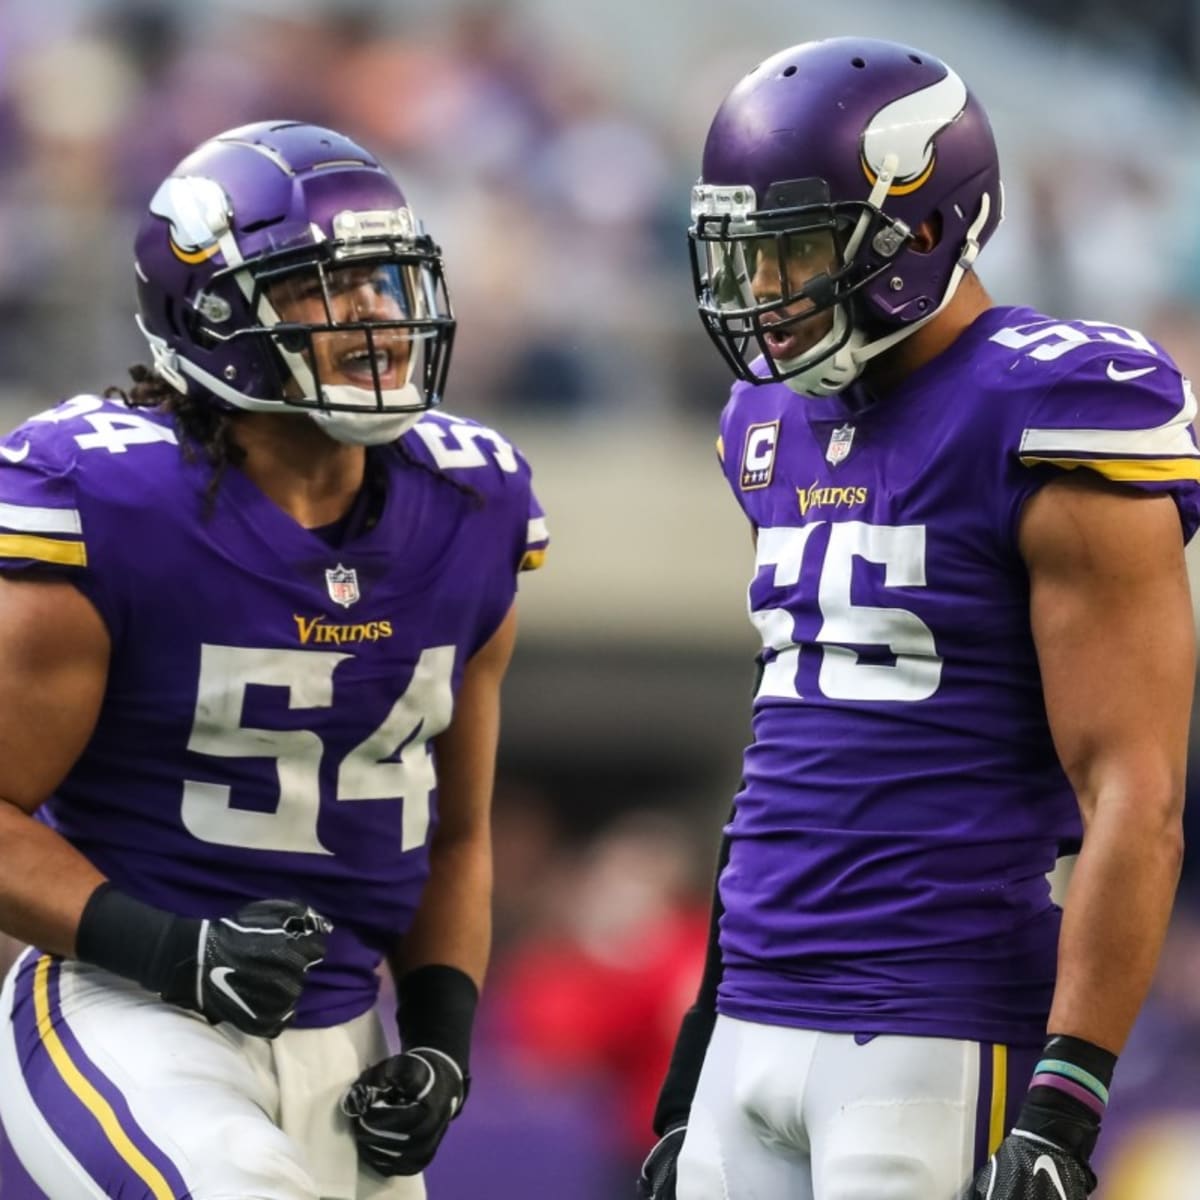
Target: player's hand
x=401 y=1108
x=657 y=1178
x=249 y=968
x=1027 y=1167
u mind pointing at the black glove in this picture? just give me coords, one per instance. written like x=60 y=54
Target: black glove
x=657 y=1178
x=401 y=1108
x=1027 y=1167
x=247 y=969
x=1046 y=1156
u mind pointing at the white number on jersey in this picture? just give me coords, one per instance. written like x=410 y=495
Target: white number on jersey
x=366 y=773
x=900 y=549
x=1053 y=341
x=111 y=431
x=464 y=449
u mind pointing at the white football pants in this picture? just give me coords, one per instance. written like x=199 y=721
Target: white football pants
x=107 y=1091
x=794 y=1114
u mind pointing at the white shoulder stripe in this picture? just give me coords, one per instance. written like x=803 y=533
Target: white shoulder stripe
x=537 y=531
x=1173 y=439
x=29 y=519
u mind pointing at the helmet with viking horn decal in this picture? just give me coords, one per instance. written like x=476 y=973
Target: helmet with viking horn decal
x=819 y=167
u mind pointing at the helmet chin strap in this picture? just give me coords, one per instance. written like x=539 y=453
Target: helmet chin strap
x=839 y=370
x=371 y=427
x=368 y=428
x=846 y=364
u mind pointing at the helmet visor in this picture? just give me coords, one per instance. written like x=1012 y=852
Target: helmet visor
x=788 y=272
x=768 y=293
x=370 y=325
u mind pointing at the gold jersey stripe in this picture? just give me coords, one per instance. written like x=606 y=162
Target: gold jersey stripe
x=18 y=545
x=95 y=1103
x=532 y=560
x=999 y=1095
x=1126 y=470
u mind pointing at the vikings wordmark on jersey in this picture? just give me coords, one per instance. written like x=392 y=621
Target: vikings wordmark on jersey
x=266 y=728
x=902 y=801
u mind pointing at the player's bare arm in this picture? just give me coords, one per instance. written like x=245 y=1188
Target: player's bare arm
x=56 y=653
x=55 y=650
x=403 y=1105
x=1112 y=621
x=453 y=923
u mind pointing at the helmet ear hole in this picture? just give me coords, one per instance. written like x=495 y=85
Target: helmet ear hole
x=928 y=235
x=193 y=328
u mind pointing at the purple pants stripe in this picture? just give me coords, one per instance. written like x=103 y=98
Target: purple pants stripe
x=84 y=1107
x=1004 y=1074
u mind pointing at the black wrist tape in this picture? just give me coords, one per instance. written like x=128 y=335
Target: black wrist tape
x=134 y=940
x=436 y=1007
x=1095 y=1060
x=1068 y=1094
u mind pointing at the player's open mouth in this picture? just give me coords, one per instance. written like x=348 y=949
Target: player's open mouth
x=783 y=342
x=356 y=366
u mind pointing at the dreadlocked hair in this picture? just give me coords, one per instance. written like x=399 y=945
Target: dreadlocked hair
x=207 y=431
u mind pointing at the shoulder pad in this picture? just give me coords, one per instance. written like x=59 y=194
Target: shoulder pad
x=52 y=464
x=1127 y=418
x=457 y=444
x=489 y=463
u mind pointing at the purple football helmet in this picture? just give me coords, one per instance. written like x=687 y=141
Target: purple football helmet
x=849 y=143
x=279 y=267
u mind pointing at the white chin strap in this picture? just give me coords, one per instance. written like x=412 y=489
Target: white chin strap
x=368 y=428
x=836 y=371
x=371 y=428
x=842 y=367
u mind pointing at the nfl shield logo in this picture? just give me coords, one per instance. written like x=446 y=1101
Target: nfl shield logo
x=342 y=583
x=839 y=444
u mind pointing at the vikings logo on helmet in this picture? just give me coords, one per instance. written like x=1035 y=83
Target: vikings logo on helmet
x=908 y=128
x=197 y=213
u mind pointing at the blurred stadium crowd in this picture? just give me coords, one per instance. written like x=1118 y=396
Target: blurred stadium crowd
x=551 y=152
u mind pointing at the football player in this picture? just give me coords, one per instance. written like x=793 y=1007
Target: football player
x=254 y=620
x=969 y=523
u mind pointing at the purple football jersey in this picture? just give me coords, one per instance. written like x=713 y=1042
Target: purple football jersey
x=901 y=800
x=265 y=729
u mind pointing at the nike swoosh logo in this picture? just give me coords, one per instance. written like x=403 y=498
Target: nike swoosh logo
x=992 y=1178
x=219 y=978
x=1118 y=376
x=15 y=456
x=1045 y=1162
